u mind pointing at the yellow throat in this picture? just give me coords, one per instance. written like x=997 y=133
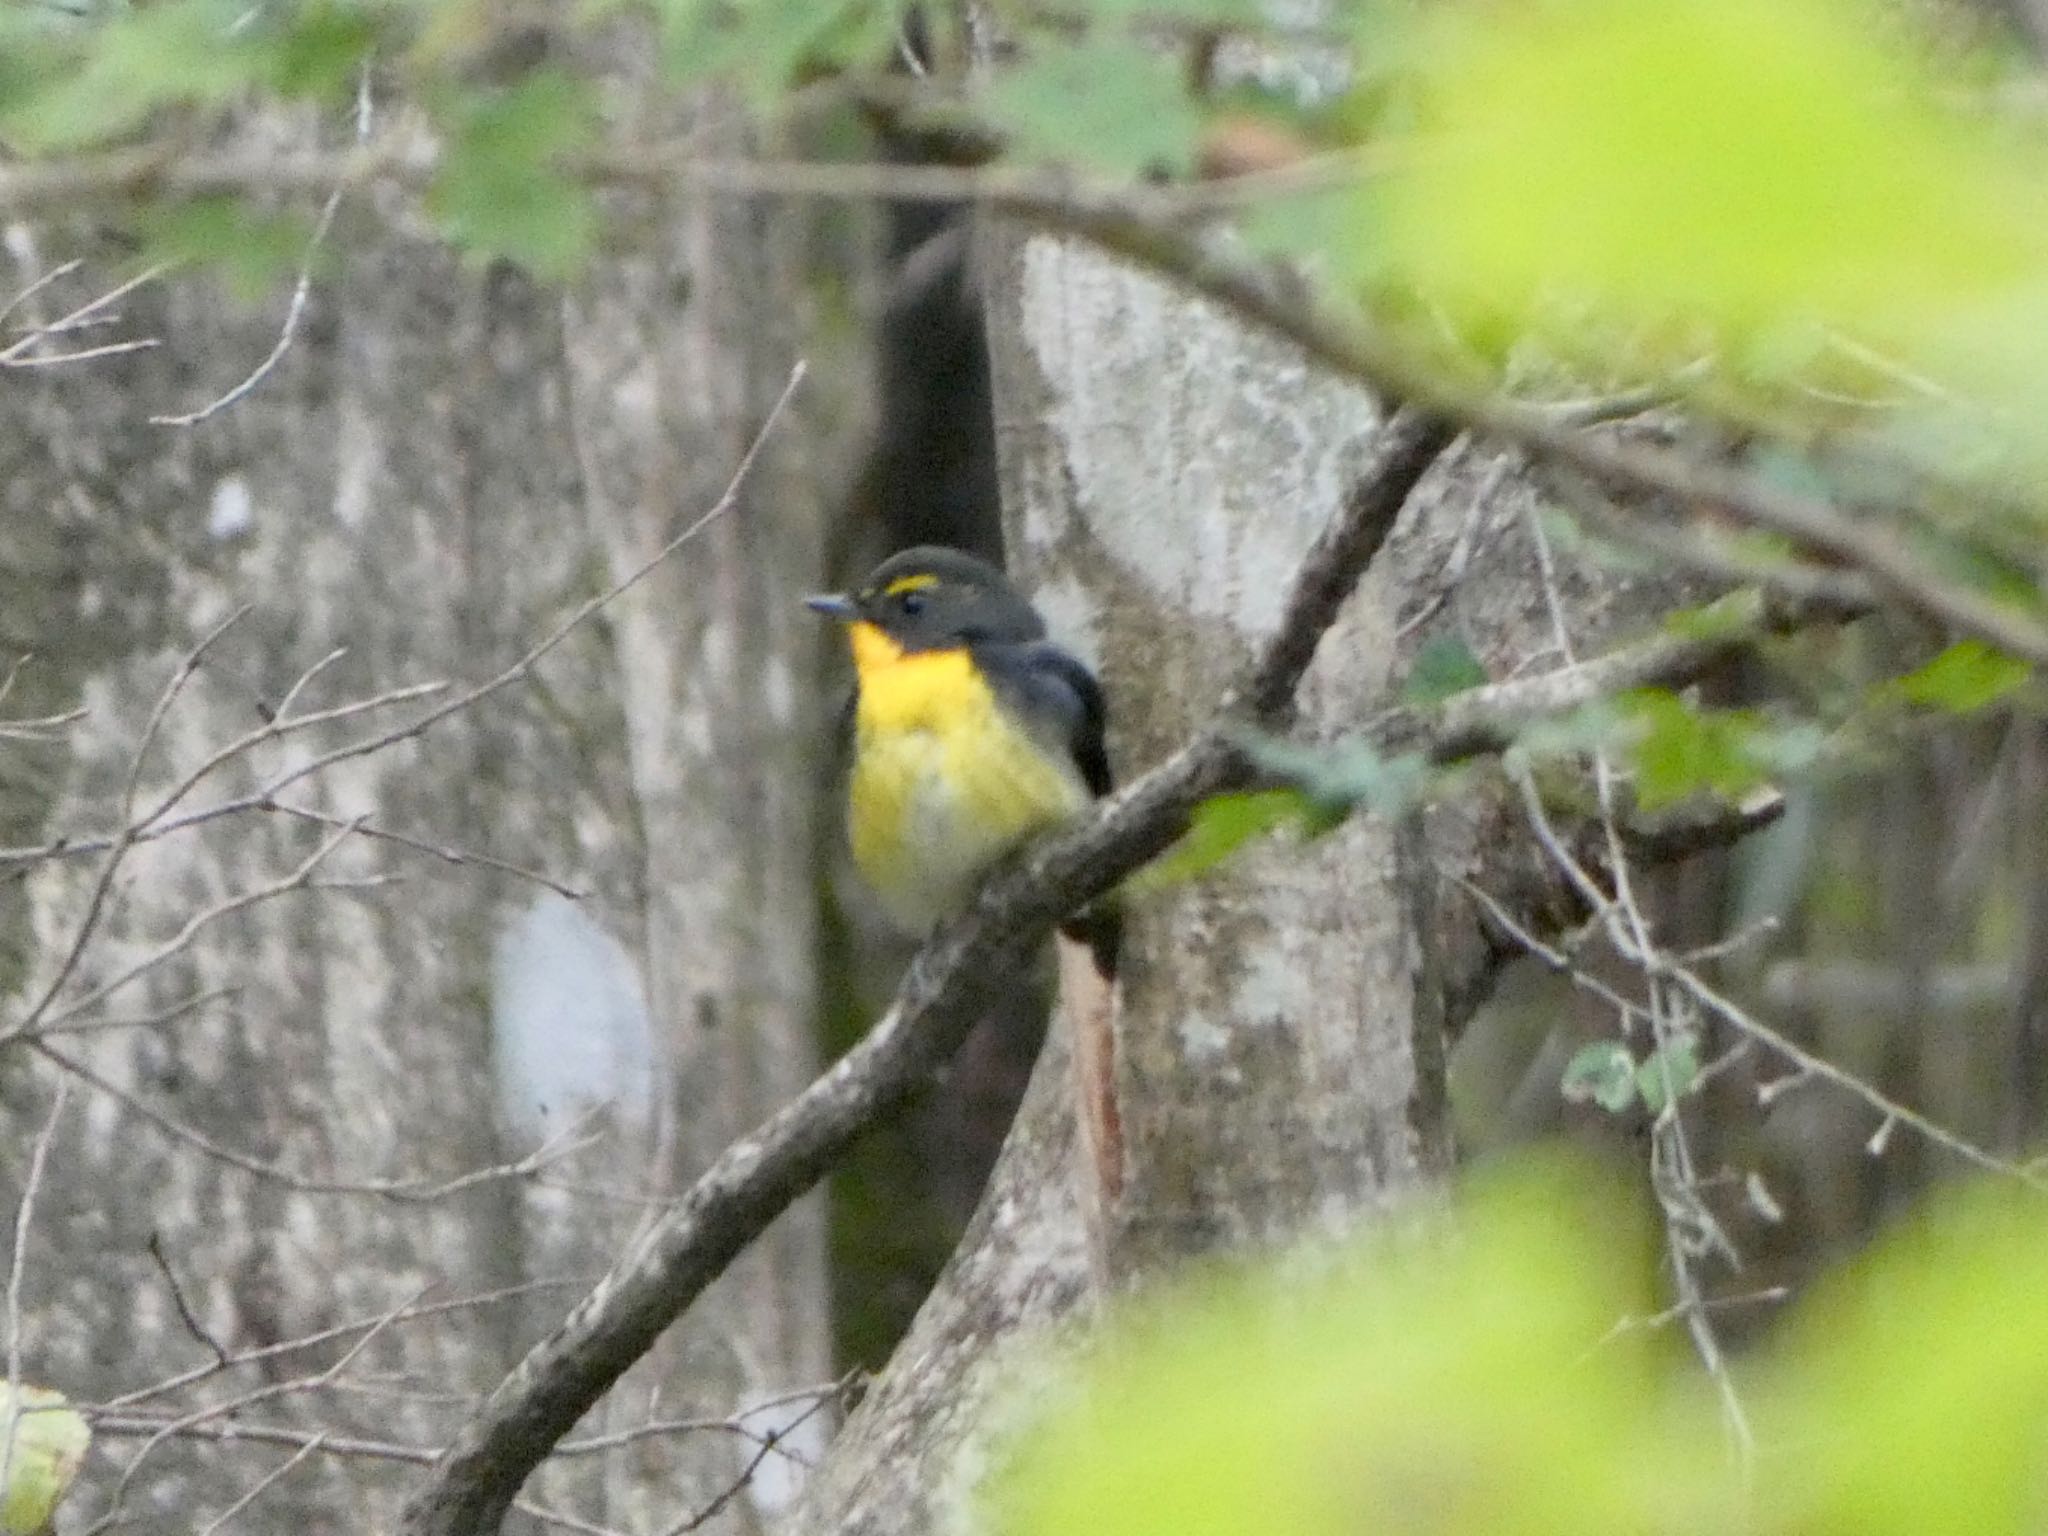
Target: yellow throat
x=945 y=781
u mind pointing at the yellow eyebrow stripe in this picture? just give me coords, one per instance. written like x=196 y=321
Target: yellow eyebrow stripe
x=903 y=584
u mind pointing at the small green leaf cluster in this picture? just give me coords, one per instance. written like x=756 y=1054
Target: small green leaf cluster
x=504 y=189
x=1609 y=1074
x=99 y=83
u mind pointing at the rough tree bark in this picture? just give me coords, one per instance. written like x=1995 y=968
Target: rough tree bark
x=1279 y=1052
x=444 y=465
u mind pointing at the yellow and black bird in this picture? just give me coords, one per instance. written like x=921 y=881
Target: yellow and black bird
x=970 y=734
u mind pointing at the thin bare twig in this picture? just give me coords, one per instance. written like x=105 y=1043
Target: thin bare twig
x=17 y=1270
x=195 y=924
x=265 y=1353
x=95 y=904
x=120 y=1425
x=156 y=1018
x=155 y=1248
x=21 y=353
x=56 y=274
x=212 y=1412
x=446 y=853
x=1810 y=1066
x=769 y=1444
x=416 y=1190
x=302 y=288
x=1690 y=1227
x=257 y=1489
x=123 y=1426
x=87 y=354
x=568 y=1522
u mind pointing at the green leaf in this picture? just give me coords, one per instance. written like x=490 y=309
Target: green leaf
x=501 y=191
x=1110 y=106
x=145 y=58
x=1668 y=1073
x=1734 y=614
x=1447 y=1380
x=1242 y=12
x=49 y=1444
x=1964 y=678
x=1219 y=827
x=1339 y=779
x=251 y=249
x=763 y=46
x=1443 y=666
x=1758 y=167
x=1680 y=751
x=319 y=47
x=1915 y=1383
x=1602 y=1073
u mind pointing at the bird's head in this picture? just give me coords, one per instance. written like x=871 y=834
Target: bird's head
x=929 y=599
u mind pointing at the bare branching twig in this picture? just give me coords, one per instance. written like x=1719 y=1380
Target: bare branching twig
x=17 y=1271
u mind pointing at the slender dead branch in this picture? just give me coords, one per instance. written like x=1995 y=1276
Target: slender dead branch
x=415 y=1190
x=302 y=288
x=103 y=883
x=412 y=161
x=115 y=1513
x=1487 y=720
x=447 y=853
x=267 y=1353
x=56 y=274
x=22 y=353
x=155 y=1249
x=296 y=879
x=770 y=1443
x=17 y=1270
x=257 y=1489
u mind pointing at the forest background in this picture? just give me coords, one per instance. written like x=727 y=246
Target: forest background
x=1552 y=492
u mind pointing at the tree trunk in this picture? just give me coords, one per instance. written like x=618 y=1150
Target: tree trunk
x=1278 y=1056
x=437 y=473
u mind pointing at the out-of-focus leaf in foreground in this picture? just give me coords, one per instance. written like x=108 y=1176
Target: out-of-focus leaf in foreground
x=49 y=1443
x=1472 y=1379
x=1452 y=1379
x=1750 y=168
x=1913 y=1395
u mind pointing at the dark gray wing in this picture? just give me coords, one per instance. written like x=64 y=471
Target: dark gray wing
x=1060 y=695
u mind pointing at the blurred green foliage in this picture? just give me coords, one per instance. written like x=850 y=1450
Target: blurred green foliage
x=1739 y=165
x=1608 y=1073
x=1493 y=1370
x=42 y=1443
x=504 y=190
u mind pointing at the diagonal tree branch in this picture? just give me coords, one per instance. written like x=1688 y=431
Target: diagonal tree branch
x=1341 y=337
x=940 y=997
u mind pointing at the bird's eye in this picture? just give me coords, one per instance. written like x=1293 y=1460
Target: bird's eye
x=912 y=603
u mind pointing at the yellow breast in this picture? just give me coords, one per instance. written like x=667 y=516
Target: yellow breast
x=944 y=783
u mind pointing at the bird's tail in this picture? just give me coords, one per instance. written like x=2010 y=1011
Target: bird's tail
x=1088 y=951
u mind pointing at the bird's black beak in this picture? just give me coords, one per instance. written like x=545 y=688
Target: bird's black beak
x=834 y=605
